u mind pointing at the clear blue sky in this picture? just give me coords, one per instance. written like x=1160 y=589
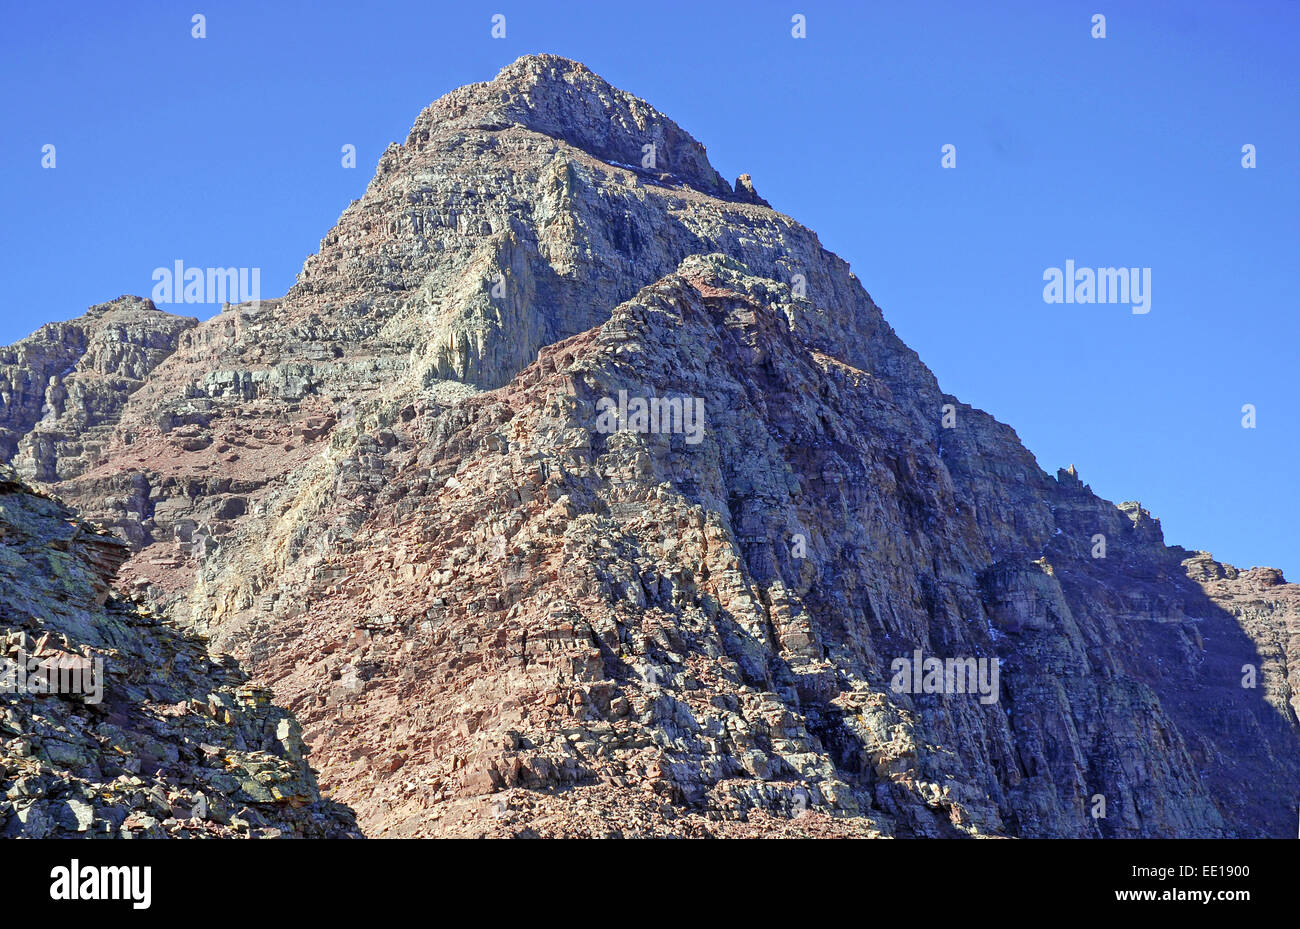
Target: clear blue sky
x=1126 y=150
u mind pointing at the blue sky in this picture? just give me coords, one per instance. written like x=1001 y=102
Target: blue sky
x=1122 y=151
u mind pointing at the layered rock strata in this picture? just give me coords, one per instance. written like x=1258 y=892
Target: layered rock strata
x=391 y=494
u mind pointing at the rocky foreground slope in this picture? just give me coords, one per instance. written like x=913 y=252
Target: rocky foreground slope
x=113 y=724
x=392 y=495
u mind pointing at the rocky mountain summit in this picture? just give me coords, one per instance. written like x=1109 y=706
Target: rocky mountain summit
x=391 y=495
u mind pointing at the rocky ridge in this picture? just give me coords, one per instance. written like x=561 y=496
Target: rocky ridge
x=62 y=389
x=388 y=495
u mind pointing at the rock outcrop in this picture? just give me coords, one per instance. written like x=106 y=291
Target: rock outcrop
x=63 y=388
x=392 y=495
x=114 y=724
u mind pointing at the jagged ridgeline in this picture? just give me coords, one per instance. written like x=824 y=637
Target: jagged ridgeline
x=572 y=490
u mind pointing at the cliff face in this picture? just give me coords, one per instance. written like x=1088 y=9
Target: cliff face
x=392 y=493
x=63 y=387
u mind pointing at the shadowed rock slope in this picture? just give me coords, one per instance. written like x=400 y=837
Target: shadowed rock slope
x=388 y=494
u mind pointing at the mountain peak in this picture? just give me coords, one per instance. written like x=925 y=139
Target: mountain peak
x=567 y=101
x=630 y=470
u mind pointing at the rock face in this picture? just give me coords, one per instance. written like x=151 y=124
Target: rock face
x=62 y=388
x=113 y=724
x=399 y=495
